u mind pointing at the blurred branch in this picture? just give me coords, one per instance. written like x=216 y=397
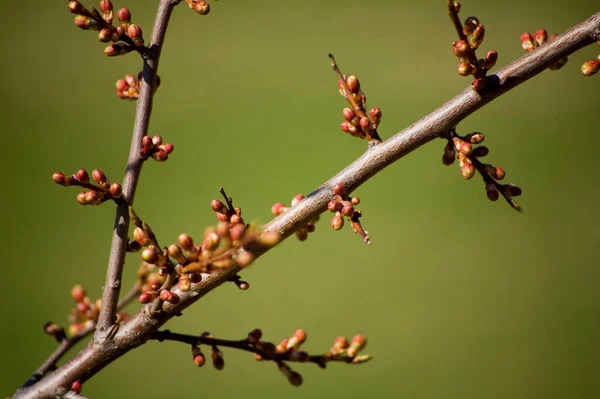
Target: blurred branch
x=112 y=284
x=142 y=326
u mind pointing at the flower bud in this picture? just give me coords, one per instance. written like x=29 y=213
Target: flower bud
x=135 y=33
x=366 y=124
x=85 y=23
x=471 y=23
x=140 y=236
x=99 y=177
x=116 y=190
x=480 y=151
x=477 y=36
x=492 y=191
x=115 y=49
x=353 y=84
x=474 y=138
x=60 y=178
x=217 y=359
x=76 y=7
x=510 y=190
x=490 y=59
x=202 y=7
x=466 y=69
x=357 y=344
x=348 y=113
x=124 y=15
x=278 y=208
x=375 y=115
x=590 y=68
x=334 y=206
x=219 y=207
x=255 y=335
x=462 y=146
x=338 y=189
x=527 y=42
x=243 y=259
x=345 y=126
x=449 y=154
x=185 y=241
x=150 y=255
x=460 y=48
x=541 y=36
x=467 y=169
x=76 y=386
x=169 y=296
x=337 y=222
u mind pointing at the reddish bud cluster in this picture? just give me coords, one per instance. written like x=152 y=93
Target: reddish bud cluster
x=200 y=6
x=531 y=42
x=302 y=233
x=343 y=206
x=221 y=248
x=154 y=147
x=85 y=313
x=471 y=36
x=129 y=87
x=96 y=194
x=461 y=148
x=125 y=37
x=356 y=121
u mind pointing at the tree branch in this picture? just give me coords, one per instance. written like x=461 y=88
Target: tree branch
x=141 y=327
x=112 y=284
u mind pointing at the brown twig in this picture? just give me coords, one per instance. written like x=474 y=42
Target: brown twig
x=112 y=284
x=247 y=346
x=141 y=327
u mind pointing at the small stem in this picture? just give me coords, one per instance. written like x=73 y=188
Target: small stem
x=227 y=200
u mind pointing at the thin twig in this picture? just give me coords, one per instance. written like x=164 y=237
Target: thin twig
x=112 y=284
x=247 y=346
x=140 y=328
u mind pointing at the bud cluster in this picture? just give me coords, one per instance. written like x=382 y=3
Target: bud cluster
x=343 y=206
x=153 y=147
x=302 y=233
x=129 y=87
x=97 y=193
x=356 y=122
x=85 y=313
x=288 y=350
x=200 y=6
x=181 y=264
x=471 y=34
x=461 y=148
x=530 y=43
x=125 y=37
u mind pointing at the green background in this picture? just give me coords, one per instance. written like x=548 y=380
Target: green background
x=459 y=297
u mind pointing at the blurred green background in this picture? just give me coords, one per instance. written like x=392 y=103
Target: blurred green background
x=459 y=297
